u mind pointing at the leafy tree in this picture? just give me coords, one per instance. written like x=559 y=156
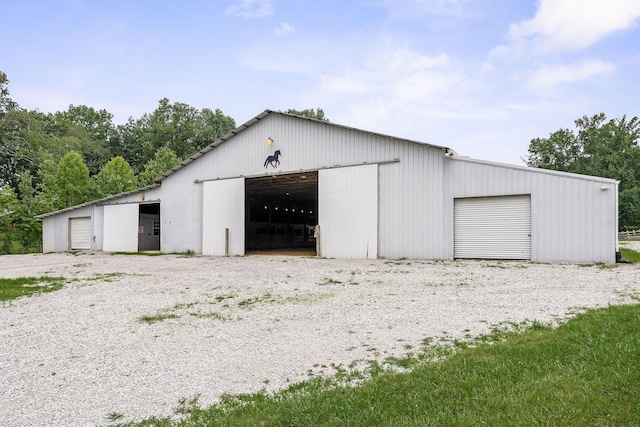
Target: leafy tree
x=72 y=180
x=182 y=128
x=9 y=212
x=98 y=123
x=115 y=177
x=127 y=143
x=30 y=229
x=86 y=131
x=164 y=160
x=317 y=114
x=600 y=147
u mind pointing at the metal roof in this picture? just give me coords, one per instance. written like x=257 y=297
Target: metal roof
x=536 y=170
x=99 y=201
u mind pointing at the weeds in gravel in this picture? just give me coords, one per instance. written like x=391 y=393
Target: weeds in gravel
x=584 y=372
x=158 y=317
x=11 y=289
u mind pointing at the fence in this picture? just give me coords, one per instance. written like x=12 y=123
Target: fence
x=629 y=235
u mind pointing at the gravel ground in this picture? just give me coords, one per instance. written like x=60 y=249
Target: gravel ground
x=242 y=324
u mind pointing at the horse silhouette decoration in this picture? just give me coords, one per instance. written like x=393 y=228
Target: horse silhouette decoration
x=273 y=160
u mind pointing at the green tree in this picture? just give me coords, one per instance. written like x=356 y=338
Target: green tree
x=127 y=143
x=86 y=131
x=182 y=128
x=9 y=212
x=6 y=103
x=317 y=114
x=29 y=228
x=72 y=180
x=598 y=147
x=164 y=160
x=115 y=177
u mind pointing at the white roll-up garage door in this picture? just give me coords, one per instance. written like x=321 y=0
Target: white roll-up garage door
x=80 y=233
x=493 y=227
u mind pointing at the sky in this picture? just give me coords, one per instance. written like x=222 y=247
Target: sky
x=483 y=77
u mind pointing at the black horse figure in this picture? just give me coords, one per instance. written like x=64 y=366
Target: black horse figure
x=273 y=160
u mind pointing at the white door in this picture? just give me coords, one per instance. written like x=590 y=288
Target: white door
x=121 y=228
x=223 y=217
x=79 y=233
x=493 y=227
x=348 y=212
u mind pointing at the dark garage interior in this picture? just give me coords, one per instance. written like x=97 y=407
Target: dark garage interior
x=281 y=212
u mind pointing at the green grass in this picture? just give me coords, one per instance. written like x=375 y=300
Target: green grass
x=155 y=318
x=630 y=254
x=584 y=373
x=11 y=289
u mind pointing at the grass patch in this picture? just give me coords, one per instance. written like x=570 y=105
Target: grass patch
x=584 y=372
x=631 y=255
x=11 y=289
x=159 y=317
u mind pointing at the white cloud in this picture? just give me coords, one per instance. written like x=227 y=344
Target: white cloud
x=552 y=76
x=397 y=75
x=251 y=8
x=394 y=89
x=561 y=25
x=285 y=29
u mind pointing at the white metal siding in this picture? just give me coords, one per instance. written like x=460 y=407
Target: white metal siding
x=348 y=212
x=80 y=233
x=493 y=227
x=573 y=217
x=48 y=234
x=223 y=209
x=121 y=228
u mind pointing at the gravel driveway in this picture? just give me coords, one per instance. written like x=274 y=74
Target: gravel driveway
x=239 y=325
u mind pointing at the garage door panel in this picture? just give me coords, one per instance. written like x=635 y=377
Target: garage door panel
x=80 y=233
x=121 y=228
x=223 y=209
x=493 y=227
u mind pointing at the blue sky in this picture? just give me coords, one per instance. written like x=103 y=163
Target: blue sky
x=483 y=77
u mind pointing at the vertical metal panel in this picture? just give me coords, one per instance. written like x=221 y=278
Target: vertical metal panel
x=493 y=227
x=80 y=233
x=348 y=212
x=223 y=208
x=121 y=228
x=48 y=234
x=97 y=223
x=411 y=203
